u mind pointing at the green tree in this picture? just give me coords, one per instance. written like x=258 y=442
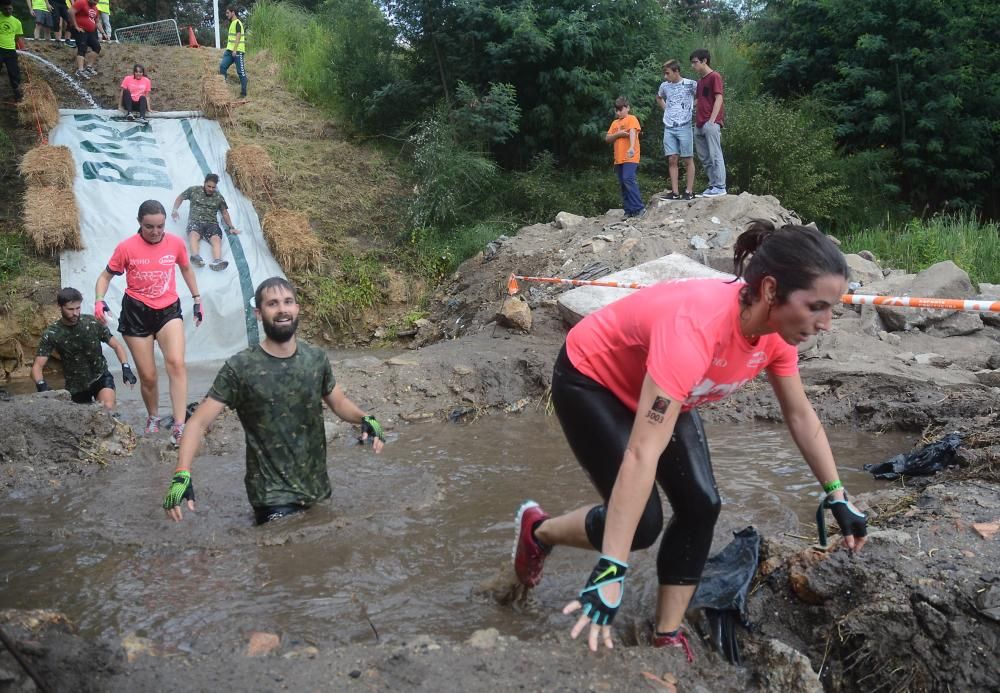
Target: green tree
x=920 y=78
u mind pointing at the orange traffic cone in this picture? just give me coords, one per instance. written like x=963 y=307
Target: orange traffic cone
x=192 y=39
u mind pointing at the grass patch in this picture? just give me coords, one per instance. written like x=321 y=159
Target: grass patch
x=971 y=244
x=342 y=298
x=436 y=254
x=11 y=257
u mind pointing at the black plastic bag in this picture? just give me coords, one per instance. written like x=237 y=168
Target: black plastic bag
x=723 y=590
x=930 y=459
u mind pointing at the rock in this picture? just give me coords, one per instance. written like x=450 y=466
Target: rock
x=893 y=339
x=957 y=324
x=942 y=280
x=862 y=270
x=261 y=644
x=308 y=652
x=565 y=220
x=597 y=245
x=867 y=255
x=993 y=362
x=932 y=359
x=515 y=313
x=461 y=370
x=135 y=646
x=871 y=323
x=905 y=356
x=485 y=639
x=400 y=361
x=716 y=220
x=723 y=238
x=782 y=669
x=989 y=292
x=989 y=378
x=699 y=243
x=627 y=245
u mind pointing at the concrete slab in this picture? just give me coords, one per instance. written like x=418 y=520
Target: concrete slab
x=583 y=300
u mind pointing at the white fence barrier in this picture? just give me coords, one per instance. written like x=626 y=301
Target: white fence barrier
x=161 y=33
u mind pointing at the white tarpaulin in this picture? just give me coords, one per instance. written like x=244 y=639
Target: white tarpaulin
x=120 y=165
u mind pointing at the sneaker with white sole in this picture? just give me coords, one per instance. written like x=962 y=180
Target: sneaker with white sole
x=197 y=261
x=176 y=433
x=529 y=554
x=218 y=264
x=713 y=192
x=152 y=424
x=82 y=74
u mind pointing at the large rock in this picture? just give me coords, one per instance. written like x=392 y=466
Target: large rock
x=781 y=668
x=989 y=292
x=862 y=270
x=515 y=313
x=942 y=280
x=564 y=220
x=582 y=301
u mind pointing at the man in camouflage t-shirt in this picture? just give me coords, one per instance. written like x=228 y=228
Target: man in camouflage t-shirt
x=203 y=220
x=277 y=389
x=78 y=340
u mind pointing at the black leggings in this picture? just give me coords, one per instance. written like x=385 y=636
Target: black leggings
x=129 y=105
x=597 y=426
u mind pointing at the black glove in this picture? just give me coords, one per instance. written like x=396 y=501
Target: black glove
x=127 y=375
x=607 y=571
x=198 y=316
x=42 y=386
x=851 y=520
x=371 y=426
x=181 y=489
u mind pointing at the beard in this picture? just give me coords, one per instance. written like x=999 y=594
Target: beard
x=279 y=333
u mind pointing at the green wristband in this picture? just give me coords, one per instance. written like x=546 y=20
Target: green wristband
x=832 y=486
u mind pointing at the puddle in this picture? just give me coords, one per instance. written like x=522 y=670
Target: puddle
x=399 y=549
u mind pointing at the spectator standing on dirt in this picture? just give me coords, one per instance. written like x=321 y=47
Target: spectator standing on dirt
x=203 y=220
x=709 y=116
x=11 y=34
x=104 y=19
x=135 y=93
x=39 y=10
x=235 y=49
x=84 y=19
x=623 y=133
x=278 y=389
x=151 y=309
x=626 y=387
x=61 y=22
x=78 y=340
x=675 y=98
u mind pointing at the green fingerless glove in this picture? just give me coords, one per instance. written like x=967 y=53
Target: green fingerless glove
x=181 y=489
x=371 y=426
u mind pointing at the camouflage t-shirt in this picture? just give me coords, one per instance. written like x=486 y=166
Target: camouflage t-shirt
x=79 y=347
x=204 y=208
x=279 y=402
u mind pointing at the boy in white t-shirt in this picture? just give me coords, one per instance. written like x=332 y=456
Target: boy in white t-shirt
x=676 y=97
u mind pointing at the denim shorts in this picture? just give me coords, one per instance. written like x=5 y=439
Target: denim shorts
x=678 y=140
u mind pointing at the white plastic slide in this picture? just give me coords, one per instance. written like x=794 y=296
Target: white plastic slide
x=120 y=164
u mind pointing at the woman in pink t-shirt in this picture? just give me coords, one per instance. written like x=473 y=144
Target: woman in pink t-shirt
x=625 y=388
x=135 y=93
x=151 y=309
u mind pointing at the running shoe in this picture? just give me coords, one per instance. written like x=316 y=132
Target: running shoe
x=152 y=424
x=671 y=196
x=528 y=554
x=197 y=260
x=676 y=639
x=176 y=433
x=130 y=116
x=82 y=74
x=713 y=192
x=218 y=264
x=687 y=195
x=91 y=70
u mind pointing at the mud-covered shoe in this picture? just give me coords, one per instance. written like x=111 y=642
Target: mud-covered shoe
x=82 y=74
x=675 y=639
x=197 y=261
x=176 y=433
x=528 y=554
x=152 y=424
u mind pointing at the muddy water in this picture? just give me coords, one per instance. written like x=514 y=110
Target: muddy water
x=400 y=549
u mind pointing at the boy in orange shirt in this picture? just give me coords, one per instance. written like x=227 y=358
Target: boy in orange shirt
x=624 y=133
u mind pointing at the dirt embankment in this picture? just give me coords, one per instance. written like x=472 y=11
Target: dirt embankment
x=919 y=609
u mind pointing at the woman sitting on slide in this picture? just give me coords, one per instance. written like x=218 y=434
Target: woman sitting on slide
x=135 y=93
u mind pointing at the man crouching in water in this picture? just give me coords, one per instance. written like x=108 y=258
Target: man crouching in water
x=277 y=389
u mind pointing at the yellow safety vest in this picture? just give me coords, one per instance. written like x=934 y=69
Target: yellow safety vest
x=104 y=6
x=236 y=27
x=42 y=5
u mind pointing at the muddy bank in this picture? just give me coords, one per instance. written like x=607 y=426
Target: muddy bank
x=916 y=611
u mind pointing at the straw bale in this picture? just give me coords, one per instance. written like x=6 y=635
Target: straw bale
x=292 y=240
x=216 y=98
x=51 y=219
x=252 y=169
x=39 y=106
x=49 y=165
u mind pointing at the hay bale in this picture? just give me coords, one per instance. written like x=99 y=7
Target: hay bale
x=216 y=99
x=49 y=165
x=292 y=240
x=39 y=106
x=51 y=219
x=252 y=170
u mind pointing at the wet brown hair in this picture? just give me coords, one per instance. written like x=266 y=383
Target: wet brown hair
x=794 y=255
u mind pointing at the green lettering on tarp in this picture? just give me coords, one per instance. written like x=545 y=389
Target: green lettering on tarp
x=140 y=176
x=133 y=135
x=116 y=151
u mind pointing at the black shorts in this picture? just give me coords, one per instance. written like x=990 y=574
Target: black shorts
x=90 y=394
x=85 y=39
x=205 y=229
x=60 y=12
x=139 y=320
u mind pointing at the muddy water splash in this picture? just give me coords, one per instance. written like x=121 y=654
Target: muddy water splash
x=73 y=84
x=403 y=546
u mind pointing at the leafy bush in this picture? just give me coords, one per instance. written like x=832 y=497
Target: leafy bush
x=972 y=245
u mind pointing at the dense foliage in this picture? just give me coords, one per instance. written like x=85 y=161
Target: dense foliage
x=920 y=78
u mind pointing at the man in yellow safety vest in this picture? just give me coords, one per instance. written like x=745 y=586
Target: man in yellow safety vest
x=104 y=23
x=235 y=49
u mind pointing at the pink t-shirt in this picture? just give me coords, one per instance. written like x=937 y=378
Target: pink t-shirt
x=137 y=87
x=685 y=334
x=149 y=268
